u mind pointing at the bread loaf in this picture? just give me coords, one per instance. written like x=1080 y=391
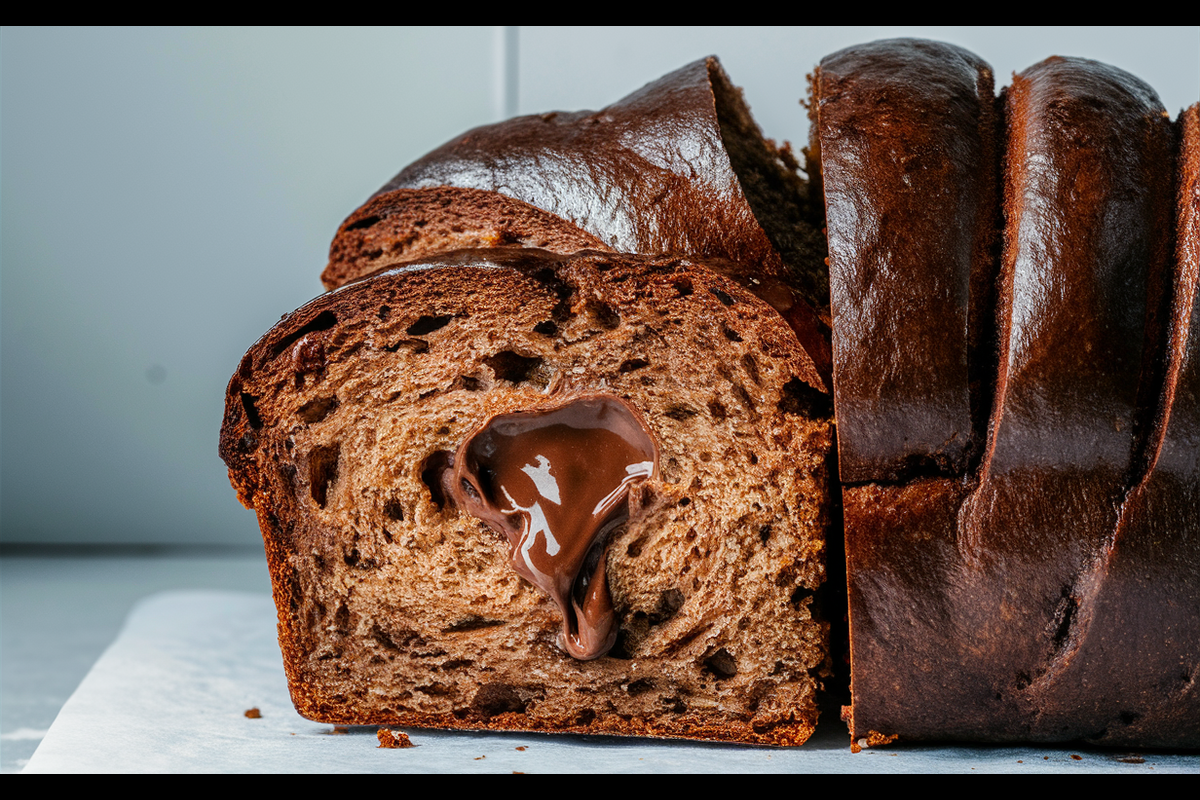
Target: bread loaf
x=409 y=224
x=1014 y=374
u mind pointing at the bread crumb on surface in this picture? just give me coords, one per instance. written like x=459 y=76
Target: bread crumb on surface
x=394 y=740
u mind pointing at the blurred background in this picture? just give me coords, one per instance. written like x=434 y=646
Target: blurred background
x=167 y=194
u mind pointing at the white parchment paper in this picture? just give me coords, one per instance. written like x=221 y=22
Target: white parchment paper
x=170 y=695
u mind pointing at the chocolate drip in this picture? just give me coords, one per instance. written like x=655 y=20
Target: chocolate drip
x=556 y=483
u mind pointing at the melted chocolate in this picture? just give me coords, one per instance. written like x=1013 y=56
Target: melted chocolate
x=556 y=483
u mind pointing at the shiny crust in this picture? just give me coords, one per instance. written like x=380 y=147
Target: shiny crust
x=1015 y=605
x=628 y=173
x=908 y=135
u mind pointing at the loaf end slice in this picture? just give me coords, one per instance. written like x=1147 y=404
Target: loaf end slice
x=398 y=608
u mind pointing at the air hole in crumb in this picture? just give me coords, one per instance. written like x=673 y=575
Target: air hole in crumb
x=316 y=410
x=514 y=367
x=631 y=364
x=730 y=334
x=417 y=346
x=722 y=296
x=764 y=533
x=684 y=501
x=634 y=549
x=365 y=222
x=683 y=286
x=497 y=698
x=322 y=322
x=341 y=619
x=385 y=312
x=322 y=471
x=799 y=595
x=470 y=383
x=716 y=410
x=250 y=406
x=751 y=367
x=393 y=510
x=547 y=328
x=585 y=717
x=680 y=413
x=746 y=399
x=640 y=686
x=352 y=557
x=608 y=318
x=801 y=399
x=428 y=324
x=473 y=623
x=432 y=471
x=669 y=602
x=674 y=705
x=721 y=664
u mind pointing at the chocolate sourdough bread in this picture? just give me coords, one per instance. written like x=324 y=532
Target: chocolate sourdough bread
x=351 y=426
x=907 y=134
x=1018 y=418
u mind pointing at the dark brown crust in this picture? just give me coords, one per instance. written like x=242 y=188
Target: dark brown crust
x=409 y=224
x=907 y=142
x=1015 y=606
x=307 y=346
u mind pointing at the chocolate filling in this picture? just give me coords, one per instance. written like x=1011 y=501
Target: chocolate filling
x=556 y=483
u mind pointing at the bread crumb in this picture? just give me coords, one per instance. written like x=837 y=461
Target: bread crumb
x=394 y=740
x=253 y=713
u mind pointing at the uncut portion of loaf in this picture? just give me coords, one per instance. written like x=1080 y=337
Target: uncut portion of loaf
x=396 y=608
x=1050 y=594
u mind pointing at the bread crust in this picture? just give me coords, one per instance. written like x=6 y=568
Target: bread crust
x=908 y=141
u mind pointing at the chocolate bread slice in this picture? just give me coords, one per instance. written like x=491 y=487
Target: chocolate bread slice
x=678 y=167
x=409 y=224
x=352 y=425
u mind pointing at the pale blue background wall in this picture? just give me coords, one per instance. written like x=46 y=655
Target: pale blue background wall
x=167 y=194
